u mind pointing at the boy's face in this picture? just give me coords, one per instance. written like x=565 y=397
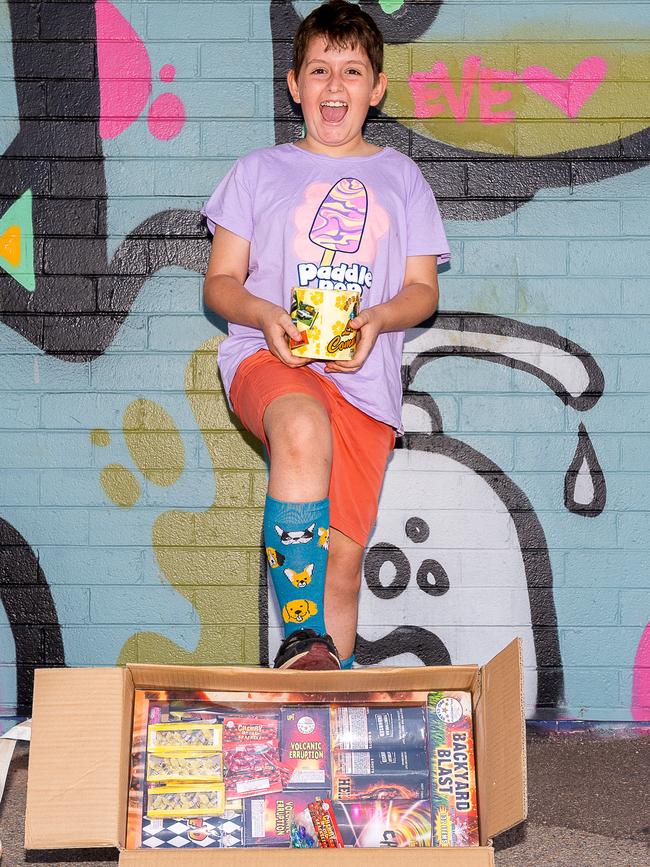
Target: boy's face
x=335 y=88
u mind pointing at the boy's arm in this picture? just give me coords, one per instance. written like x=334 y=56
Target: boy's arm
x=225 y=293
x=415 y=302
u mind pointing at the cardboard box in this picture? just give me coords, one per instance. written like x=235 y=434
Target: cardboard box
x=81 y=742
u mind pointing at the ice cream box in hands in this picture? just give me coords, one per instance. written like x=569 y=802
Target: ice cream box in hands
x=78 y=787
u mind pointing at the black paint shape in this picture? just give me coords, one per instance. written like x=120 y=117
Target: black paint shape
x=30 y=610
x=58 y=155
x=585 y=453
x=375 y=558
x=432 y=569
x=424 y=645
x=406 y=24
x=417 y=530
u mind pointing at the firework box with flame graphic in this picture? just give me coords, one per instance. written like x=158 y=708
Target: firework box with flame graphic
x=79 y=770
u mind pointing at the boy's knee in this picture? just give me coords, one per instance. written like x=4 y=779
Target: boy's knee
x=299 y=425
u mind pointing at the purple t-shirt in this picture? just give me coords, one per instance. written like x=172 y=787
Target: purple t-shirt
x=272 y=196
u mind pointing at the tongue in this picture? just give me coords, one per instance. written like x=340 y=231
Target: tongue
x=332 y=114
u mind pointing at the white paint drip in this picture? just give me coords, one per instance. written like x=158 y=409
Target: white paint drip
x=584 y=492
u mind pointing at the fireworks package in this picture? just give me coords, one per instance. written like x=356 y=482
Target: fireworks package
x=174 y=767
x=252 y=756
x=181 y=736
x=372 y=728
x=381 y=774
x=304 y=746
x=454 y=810
x=379 y=788
x=183 y=800
x=268 y=820
x=213 y=832
x=371 y=824
x=383 y=824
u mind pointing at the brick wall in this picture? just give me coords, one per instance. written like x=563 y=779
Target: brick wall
x=130 y=502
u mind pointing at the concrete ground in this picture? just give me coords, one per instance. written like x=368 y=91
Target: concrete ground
x=589 y=805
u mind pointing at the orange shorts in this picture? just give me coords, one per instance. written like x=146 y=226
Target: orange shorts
x=360 y=444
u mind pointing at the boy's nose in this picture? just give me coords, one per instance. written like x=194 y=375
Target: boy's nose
x=335 y=84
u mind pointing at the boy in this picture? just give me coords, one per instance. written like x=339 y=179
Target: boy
x=329 y=427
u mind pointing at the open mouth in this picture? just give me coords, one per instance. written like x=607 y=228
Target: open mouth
x=333 y=110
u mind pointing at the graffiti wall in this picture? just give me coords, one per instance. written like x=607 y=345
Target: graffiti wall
x=516 y=504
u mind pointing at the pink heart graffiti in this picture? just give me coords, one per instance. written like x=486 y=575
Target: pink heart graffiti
x=570 y=93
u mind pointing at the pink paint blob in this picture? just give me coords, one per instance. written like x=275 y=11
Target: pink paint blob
x=167 y=73
x=166 y=116
x=641 y=679
x=124 y=71
x=568 y=94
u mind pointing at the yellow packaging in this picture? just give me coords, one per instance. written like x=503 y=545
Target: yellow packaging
x=188 y=800
x=322 y=316
x=175 y=766
x=185 y=737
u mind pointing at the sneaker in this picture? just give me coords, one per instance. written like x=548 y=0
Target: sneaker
x=306 y=650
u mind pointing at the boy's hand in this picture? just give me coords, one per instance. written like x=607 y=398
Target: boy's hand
x=368 y=324
x=276 y=325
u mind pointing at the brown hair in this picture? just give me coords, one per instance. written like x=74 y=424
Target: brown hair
x=342 y=25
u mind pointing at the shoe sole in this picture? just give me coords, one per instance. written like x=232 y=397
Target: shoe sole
x=315 y=658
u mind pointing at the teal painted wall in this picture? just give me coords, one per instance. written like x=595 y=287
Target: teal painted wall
x=130 y=501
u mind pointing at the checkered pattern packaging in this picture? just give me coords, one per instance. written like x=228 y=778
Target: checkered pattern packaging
x=215 y=832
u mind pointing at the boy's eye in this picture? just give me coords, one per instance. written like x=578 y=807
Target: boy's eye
x=354 y=71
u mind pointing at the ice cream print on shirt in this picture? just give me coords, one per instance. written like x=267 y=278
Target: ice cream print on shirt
x=343 y=219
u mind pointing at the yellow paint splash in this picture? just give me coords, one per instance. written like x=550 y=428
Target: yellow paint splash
x=120 y=485
x=154 y=442
x=618 y=106
x=211 y=557
x=99 y=436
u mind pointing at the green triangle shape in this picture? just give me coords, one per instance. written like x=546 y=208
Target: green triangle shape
x=20 y=214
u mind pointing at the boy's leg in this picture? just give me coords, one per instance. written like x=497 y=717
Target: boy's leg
x=361 y=446
x=296 y=525
x=342 y=587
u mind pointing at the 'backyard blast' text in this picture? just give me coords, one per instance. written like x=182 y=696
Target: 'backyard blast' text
x=453 y=771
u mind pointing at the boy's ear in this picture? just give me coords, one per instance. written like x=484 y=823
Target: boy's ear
x=379 y=89
x=293 y=86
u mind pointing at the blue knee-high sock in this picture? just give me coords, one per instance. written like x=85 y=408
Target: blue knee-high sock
x=348 y=662
x=296 y=538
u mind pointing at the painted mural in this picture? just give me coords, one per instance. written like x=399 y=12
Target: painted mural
x=516 y=503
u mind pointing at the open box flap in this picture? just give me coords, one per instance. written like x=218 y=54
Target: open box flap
x=471 y=857
x=501 y=743
x=255 y=679
x=79 y=758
